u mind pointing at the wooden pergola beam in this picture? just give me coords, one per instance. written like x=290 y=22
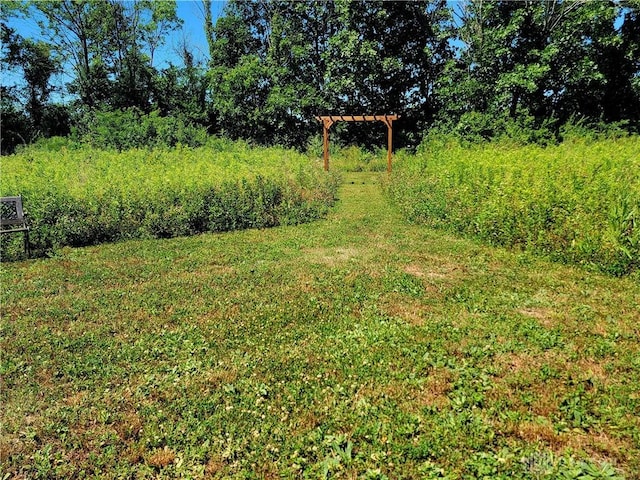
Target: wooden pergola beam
x=329 y=120
x=357 y=118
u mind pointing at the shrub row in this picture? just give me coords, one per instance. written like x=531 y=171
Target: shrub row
x=578 y=202
x=86 y=196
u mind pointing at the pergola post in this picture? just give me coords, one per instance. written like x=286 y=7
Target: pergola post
x=328 y=120
x=326 y=125
x=325 y=131
x=389 y=124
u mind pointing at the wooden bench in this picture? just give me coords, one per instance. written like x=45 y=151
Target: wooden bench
x=13 y=220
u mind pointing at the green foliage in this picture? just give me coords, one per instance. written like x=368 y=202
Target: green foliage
x=545 y=60
x=277 y=64
x=577 y=202
x=585 y=130
x=53 y=145
x=84 y=196
x=109 y=45
x=476 y=127
x=263 y=76
x=182 y=92
x=130 y=128
x=15 y=125
x=483 y=70
x=26 y=112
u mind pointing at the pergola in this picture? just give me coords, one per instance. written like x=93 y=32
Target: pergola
x=328 y=120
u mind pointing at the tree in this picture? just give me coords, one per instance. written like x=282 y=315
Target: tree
x=537 y=60
x=374 y=65
x=277 y=64
x=33 y=61
x=182 y=92
x=251 y=82
x=110 y=45
x=38 y=67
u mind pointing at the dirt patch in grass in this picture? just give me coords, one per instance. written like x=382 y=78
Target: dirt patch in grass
x=598 y=445
x=409 y=310
x=434 y=393
x=415 y=270
x=128 y=426
x=10 y=445
x=221 y=376
x=304 y=421
x=215 y=316
x=546 y=316
x=510 y=363
x=305 y=283
x=331 y=257
x=214 y=467
x=410 y=397
x=436 y=269
x=588 y=368
x=76 y=399
x=267 y=471
x=212 y=270
x=537 y=432
x=134 y=453
x=161 y=458
x=518 y=382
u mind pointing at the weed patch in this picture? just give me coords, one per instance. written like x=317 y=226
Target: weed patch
x=85 y=196
x=578 y=202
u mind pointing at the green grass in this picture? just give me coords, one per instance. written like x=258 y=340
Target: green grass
x=352 y=347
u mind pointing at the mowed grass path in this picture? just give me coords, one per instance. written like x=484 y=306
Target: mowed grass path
x=353 y=347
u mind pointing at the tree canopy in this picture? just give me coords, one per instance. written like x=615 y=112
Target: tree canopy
x=479 y=68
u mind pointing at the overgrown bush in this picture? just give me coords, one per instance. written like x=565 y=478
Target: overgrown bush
x=581 y=130
x=478 y=127
x=577 y=202
x=130 y=128
x=85 y=196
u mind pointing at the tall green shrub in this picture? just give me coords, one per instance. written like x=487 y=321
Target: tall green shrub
x=130 y=128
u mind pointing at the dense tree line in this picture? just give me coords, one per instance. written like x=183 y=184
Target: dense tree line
x=479 y=68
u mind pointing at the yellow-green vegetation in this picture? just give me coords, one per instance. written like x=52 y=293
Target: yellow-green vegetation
x=355 y=159
x=577 y=202
x=83 y=196
x=351 y=158
x=357 y=346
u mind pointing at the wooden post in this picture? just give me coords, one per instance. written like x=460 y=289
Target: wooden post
x=389 y=143
x=325 y=131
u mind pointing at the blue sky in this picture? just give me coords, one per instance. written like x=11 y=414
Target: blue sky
x=190 y=11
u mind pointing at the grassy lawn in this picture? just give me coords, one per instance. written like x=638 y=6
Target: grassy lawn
x=353 y=347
